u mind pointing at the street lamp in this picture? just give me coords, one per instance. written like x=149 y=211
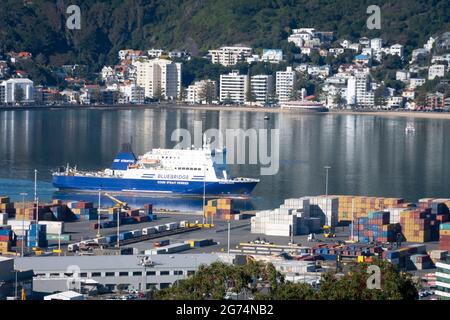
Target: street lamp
x=98 y=212
x=204 y=193
x=327 y=168
x=23 y=194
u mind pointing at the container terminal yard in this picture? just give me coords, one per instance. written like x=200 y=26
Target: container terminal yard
x=76 y=250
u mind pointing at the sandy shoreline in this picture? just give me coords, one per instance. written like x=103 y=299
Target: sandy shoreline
x=408 y=114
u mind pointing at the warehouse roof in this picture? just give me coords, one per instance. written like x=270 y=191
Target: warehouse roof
x=43 y=264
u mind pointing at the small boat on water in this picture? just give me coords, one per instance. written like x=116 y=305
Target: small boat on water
x=266 y=117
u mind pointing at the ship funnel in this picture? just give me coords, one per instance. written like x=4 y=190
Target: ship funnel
x=124 y=158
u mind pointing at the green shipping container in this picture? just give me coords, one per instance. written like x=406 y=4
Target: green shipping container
x=445 y=226
x=63 y=237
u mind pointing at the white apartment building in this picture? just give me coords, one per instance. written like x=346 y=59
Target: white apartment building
x=437 y=70
x=131 y=94
x=12 y=87
x=197 y=90
x=444 y=58
x=376 y=44
x=233 y=87
x=272 y=55
x=262 y=88
x=107 y=73
x=395 y=102
x=416 y=82
x=155 y=53
x=358 y=91
x=159 y=77
x=285 y=84
x=397 y=49
x=402 y=75
x=300 y=36
x=229 y=56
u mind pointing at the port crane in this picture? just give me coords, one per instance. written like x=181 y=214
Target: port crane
x=119 y=204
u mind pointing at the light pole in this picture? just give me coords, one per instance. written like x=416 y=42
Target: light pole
x=36 y=200
x=23 y=194
x=229 y=228
x=15 y=288
x=98 y=212
x=352 y=234
x=204 y=193
x=327 y=168
x=118 y=226
x=35 y=185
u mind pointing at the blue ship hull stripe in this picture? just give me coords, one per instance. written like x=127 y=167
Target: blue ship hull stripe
x=157 y=186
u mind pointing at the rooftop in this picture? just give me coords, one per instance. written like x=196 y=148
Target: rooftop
x=43 y=264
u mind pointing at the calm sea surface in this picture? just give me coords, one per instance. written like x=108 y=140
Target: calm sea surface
x=369 y=155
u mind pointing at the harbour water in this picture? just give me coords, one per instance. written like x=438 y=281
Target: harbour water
x=369 y=154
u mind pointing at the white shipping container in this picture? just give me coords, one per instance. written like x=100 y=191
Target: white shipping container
x=177 y=247
x=172 y=226
x=155 y=251
x=148 y=231
x=19 y=223
x=3 y=219
x=136 y=233
x=161 y=228
x=53 y=227
x=101 y=240
x=183 y=224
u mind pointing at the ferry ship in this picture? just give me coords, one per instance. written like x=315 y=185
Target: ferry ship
x=200 y=171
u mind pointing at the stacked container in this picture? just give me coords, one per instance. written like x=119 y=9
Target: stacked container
x=376 y=227
x=402 y=257
x=325 y=208
x=444 y=240
x=6 y=206
x=420 y=262
x=221 y=209
x=200 y=243
x=359 y=207
x=279 y=222
x=84 y=211
x=148 y=211
x=416 y=225
x=61 y=212
x=41 y=231
x=6 y=239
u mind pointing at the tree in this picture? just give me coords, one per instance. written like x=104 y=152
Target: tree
x=122 y=287
x=210 y=92
x=182 y=95
x=338 y=100
x=19 y=94
x=215 y=280
x=158 y=94
x=249 y=96
x=379 y=96
x=228 y=99
x=353 y=286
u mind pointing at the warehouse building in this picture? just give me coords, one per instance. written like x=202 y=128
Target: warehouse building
x=128 y=272
x=14 y=282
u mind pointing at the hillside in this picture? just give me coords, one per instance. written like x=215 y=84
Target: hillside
x=197 y=25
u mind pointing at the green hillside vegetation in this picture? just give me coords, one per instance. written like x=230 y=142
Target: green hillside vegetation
x=263 y=282
x=198 y=25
